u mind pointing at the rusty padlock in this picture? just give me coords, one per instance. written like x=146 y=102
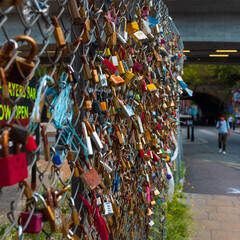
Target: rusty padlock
x=22 y=68
x=13 y=168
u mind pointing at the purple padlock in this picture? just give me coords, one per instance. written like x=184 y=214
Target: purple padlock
x=35 y=223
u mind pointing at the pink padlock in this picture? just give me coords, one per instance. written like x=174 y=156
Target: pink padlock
x=35 y=223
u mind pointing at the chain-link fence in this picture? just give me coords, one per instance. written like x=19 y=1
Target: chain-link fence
x=98 y=82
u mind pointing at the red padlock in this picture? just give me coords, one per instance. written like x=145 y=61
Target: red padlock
x=13 y=168
x=31 y=144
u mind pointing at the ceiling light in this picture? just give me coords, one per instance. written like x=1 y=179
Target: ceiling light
x=218 y=55
x=186 y=51
x=226 y=51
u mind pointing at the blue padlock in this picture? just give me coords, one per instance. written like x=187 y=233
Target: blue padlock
x=56 y=157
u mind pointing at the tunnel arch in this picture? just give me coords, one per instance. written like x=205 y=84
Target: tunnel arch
x=210 y=101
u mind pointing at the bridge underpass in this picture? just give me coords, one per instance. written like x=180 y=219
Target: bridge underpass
x=206 y=26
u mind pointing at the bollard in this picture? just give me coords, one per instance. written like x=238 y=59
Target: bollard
x=192 y=137
x=233 y=125
x=188 y=132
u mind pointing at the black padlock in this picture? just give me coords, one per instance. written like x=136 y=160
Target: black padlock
x=101 y=119
x=95 y=104
x=19 y=134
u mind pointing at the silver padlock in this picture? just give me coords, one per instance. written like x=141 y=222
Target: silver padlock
x=87 y=139
x=102 y=78
x=108 y=208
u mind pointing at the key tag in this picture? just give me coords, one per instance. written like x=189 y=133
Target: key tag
x=102 y=78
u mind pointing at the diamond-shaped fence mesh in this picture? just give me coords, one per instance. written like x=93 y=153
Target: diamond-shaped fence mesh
x=57 y=83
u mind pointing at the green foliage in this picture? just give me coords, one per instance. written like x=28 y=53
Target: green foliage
x=226 y=77
x=179 y=220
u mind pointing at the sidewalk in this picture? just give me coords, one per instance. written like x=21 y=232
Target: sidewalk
x=216 y=217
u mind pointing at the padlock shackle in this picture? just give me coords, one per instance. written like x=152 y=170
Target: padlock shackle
x=31 y=41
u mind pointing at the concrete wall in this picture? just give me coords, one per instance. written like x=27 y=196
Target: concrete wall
x=210 y=21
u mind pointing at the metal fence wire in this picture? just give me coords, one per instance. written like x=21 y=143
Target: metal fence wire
x=101 y=82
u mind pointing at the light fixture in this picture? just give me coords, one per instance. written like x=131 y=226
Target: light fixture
x=186 y=51
x=226 y=51
x=218 y=55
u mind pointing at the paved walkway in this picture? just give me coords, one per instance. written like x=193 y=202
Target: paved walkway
x=217 y=217
x=213 y=185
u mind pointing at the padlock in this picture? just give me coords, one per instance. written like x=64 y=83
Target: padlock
x=95 y=104
x=132 y=26
x=27 y=189
x=102 y=78
x=108 y=208
x=93 y=134
x=58 y=34
x=45 y=143
x=13 y=167
x=8 y=54
x=149 y=85
x=59 y=220
x=121 y=69
x=116 y=81
x=46 y=210
x=109 y=65
x=108 y=27
x=75 y=104
x=86 y=69
x=56 y=158
x=118 y=133
x=94 y=73
x=87 y=104
x=128 y=77
x=31 y=144
x=75 y=217
x=73 y=9
x=5 y=92
x=19 y=133
x=98 y=34
x=35 y=222
x=86 y=33
x=21 y=69
x=90 y=178
x=113 y=38
x=87 y=140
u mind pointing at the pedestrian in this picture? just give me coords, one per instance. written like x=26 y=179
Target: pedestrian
x=224 y=132
x=230 y=121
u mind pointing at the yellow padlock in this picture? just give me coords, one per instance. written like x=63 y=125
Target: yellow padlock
x=58 y=34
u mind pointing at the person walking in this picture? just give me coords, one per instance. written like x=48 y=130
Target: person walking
x=230 y=121
x=224 y=132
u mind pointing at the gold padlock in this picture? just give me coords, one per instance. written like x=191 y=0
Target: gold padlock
x=58 y=34
x=21 y=71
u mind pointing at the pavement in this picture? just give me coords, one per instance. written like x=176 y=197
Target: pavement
x=212 y=184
